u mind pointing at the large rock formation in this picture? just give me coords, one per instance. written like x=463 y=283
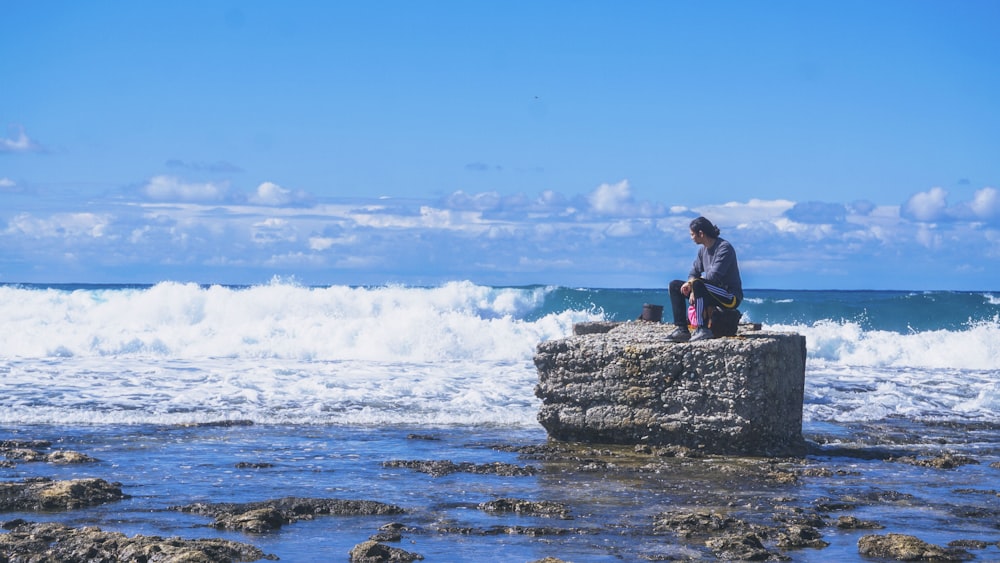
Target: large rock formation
x=625 y=383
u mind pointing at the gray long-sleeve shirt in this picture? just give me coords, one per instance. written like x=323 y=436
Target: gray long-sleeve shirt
x=718 y=266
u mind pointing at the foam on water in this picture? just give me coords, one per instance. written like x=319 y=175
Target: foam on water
x=856 y=375
x=976 y=347
x=459 y=353
x=280 y=353
x=454 y=321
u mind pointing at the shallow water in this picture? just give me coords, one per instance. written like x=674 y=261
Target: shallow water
x=612 y=510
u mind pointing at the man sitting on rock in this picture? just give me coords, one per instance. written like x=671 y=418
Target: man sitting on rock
x=714 y=281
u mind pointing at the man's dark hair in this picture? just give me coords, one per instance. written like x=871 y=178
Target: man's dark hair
x=704 y=225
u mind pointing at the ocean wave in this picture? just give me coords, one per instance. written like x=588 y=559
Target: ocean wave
x=458 y=353
x=452 y=321
x=977 y=346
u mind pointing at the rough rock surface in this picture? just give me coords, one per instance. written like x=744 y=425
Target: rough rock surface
x=438 y=468
x=902 y=547
x=51 y=542
x=38 y=494
x=267 y=516
x=375 y=552
x=626 y=383
x=525 y=507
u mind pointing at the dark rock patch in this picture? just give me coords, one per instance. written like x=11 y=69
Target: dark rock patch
x=266 y=516
x=741 y=547
x=902 y=547
x=794 y=537
x=254 y=465
x=29 y=455
x=943 y=461
x=38 y=494
x=25 y=444
x=526 y=507
x=531 y=531
x=970 y=544
x=854 y=523
x=695 y=524
x=375 y=552
x=445 y=467
x=392 y=531
x=53 y=542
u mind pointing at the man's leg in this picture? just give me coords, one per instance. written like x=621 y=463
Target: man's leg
x=708 y=295
x=678 y=307
x=678 y=303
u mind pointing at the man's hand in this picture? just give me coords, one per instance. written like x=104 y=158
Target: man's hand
x=686 y=289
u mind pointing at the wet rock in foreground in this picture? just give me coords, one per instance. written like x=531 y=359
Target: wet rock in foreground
x=942 y=461
x=59 y=457
x=54 y=542
x=908 y=548
x=525 y=507
x=30 y=451
x=267 y=516
x=374 y=552
x=855 y=523
x=444 y=467
x=38 y=494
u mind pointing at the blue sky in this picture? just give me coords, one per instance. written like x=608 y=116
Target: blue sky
x=837 y=144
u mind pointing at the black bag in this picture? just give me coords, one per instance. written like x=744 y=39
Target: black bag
x=651 y=312
x=724 y=322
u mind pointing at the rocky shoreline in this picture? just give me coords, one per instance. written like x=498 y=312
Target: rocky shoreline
x=722 y=507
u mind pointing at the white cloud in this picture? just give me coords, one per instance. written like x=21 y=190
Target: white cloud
x=927 y=206
x=611 y=199
x=273 y=230
x=928 y=237
x=271 y=194
x=735 y=214
x=986 y=204
x=19 y=143
x=6 y=183
x=479 y=202
x=389 y=240
x=170 y=188
x=321 y=243
x=59 y=225
x=627 y=228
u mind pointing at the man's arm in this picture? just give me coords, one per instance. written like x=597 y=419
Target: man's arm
x=722 y=262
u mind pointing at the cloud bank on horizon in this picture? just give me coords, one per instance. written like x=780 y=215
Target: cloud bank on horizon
x=851 y=145
x=208 y=232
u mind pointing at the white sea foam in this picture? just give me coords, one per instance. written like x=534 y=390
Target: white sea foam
x=845 y=394
x=142 y=390
x=171 y=320
x=455 y=354
x=180 y=353
x=976 y=347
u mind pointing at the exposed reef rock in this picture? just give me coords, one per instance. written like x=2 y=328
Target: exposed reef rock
x=53 y=542
x=902 y=547
x=267 y=516
x=43 y=494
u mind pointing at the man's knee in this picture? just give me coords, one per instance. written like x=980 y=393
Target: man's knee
x=698 y=287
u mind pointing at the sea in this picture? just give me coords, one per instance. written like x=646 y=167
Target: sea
x=172 y=385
